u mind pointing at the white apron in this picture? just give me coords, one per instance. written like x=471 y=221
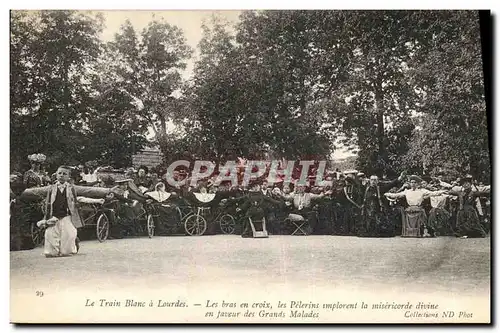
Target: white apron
x=60 y=238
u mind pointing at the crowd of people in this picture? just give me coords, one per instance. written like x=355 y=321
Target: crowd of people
x=354 y=205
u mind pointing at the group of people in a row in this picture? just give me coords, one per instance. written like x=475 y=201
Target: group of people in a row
x=367 y=207
x=354 y=205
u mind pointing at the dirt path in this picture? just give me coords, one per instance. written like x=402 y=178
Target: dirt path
x=231 y=268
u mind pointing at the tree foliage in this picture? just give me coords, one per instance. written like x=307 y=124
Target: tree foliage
x=76 y=98
x=453 y=127
x=250 y=93
x=148 y=67
x=403 y=89
x=51 y=52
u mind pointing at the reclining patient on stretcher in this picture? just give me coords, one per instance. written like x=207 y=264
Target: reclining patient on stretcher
x=87 y=206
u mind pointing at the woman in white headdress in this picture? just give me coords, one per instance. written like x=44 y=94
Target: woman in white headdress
x=205 y=203
x=168 y=219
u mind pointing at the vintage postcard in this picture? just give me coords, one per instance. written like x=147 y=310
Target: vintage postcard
x=253 y=166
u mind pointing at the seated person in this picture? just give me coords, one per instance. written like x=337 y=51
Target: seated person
x=210 y=200
x=302 y=204
x=143 y=182
x=130 y=207
x=254 y=207
x=167 y=216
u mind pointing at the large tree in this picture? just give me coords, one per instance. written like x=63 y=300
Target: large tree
x=252 y=94
x=371 y=103
x=230 y=96
x=453 y=129
x=148 y=67
x=50 y=54
x=403 y=88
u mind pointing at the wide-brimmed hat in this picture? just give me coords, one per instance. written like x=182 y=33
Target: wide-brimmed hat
x=351 y=172
x=38 y=158
x=415 y=178
x=466 y=179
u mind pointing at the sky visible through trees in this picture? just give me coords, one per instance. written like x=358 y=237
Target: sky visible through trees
x=402 y=89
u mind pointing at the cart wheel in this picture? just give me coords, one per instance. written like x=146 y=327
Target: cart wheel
x=37 y=236
x=151 y=226
x=102 y=228
x=195 y=225
x=227 y=224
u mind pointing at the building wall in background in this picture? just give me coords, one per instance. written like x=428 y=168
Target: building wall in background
x=150 y=157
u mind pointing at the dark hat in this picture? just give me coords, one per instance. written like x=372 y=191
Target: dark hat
x=108 y=180
x=466 y=179
x=225 y=182
x=427 y=178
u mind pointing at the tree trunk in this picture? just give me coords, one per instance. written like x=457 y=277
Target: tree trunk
x=162 y=131
x=379 y=110
x=64 y=75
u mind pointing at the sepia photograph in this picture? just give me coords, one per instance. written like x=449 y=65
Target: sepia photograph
x=250 y=166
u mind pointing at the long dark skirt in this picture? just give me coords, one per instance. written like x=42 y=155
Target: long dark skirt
x=326 y=218
x=168 y=221
x=346 y=217
x=413 y=221
x=23 y=215
x=396 y=214
x=468 y=223
x=376 y=224
x=21 y=219
x=273 y=225
x=439 y=222
x=126 y=221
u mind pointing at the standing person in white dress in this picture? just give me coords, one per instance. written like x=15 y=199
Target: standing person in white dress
x=415 y=217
